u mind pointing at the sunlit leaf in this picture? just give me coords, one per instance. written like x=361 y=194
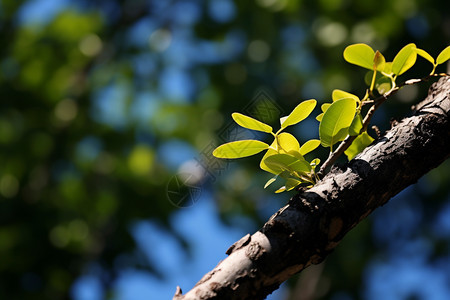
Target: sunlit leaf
x=270 y=181
x=300 y=112
x=287 y=142
x=388 y=68
x=336 y=120
x=325 y=106
x=404 y=59
x=425 y=55
x=271 y=151
x=250 y=123
x=443 y=56
x=280 y=190
x=285 y=162
x=383 y=84
x=319 y=117
x=340 y=94
x=314 y=163
x=291 y=183
x=239 y=149
x=309 y=146
x=360 y=55
x=379 y=61
x=358 y=145
x=356 y=125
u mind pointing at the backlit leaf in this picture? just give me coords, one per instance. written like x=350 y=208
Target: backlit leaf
x=404 y=59
x=270 y=181
x=300 y=112
x=280 y=190
x=425 y=55
x=356 y=125
x=379 y=61
x=250 y=123
x=271 y=151
x=239 y=149
x=340 y=94
x=287 y=142
x=360 y=55
x=309 y=146
x=292 y=183
x=319 y=117
x=443 y=56
x=336 y=120
x=358 y=145
x=285 y=162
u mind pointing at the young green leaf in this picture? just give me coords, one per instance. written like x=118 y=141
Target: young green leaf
x=273 y=149
x=300 y=112
x=360 y=55
x=319 y=117
x=270 y=181
x=379 y=61
x=383 y=84
x=340 y=94
x=388 y=68
x=292 y=183
x=336 y=120
x=358 y=145
x=425 y=55
x=285 y=162
x=287 y=142
x=309 y=146
x=239 y=149
x=404 y=59
x=356 y=125
x=280 y=190
x=250 y=123
x=443 y=56
x=314 y=163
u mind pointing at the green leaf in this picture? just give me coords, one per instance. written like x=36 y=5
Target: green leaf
x=325 y=106
x=309 y=146
x=292 y=183
x=250 y=123
x=319 y=117
x=388 y=68
x=287 y=142
x=356 y=125
x=336 y=120
x=239 y=149
x=300 y=112
x=273 y=149
x=383 y=84
x=339 y=94
x=404 y=59
x=379 y=61
x=285 y=162
x=314 y=163
x=360 y=55
x=443 y=56
x=425 y=55
x=270 y=181
x=358 y=145
x=280 y=190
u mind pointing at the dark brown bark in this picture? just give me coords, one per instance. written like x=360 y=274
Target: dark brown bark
x=312 y=224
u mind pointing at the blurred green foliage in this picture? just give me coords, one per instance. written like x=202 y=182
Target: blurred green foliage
x=81 y=159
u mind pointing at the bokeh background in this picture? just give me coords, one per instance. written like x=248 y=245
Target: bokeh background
x=109 y=111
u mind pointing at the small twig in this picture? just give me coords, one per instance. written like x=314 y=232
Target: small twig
x=376 y=103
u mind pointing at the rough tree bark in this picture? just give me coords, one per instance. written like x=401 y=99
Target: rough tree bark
x=313 y=223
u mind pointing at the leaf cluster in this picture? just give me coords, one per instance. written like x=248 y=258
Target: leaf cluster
x=340 y=121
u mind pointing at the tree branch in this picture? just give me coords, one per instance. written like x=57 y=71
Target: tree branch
x=313 y=223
